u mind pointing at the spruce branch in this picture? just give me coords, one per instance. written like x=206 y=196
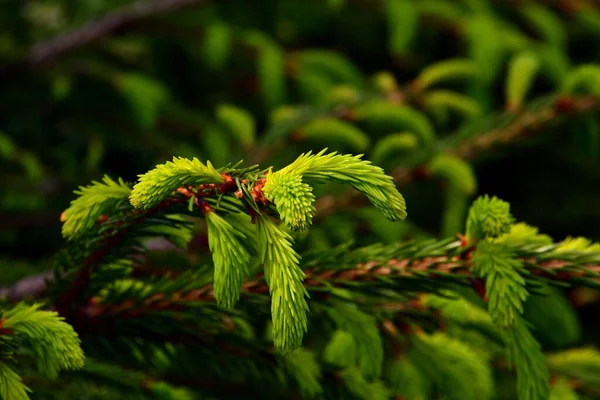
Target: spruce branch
x=156 y=185
x=68 y=301
x=11 y=385
x=284 y=277
x=91 y=203
x=490 y=218
x=230 y=257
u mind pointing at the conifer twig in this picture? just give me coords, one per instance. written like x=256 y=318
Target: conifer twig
x=526 y=124
x=455 y=268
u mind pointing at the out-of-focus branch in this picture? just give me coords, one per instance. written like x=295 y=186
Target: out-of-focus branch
x=30 y=287
x=528 y=123
x=46 y=52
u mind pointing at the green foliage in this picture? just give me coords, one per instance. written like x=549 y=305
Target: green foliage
x=335 y=67
x=217 y=44
x=521 y=233
x=406 y=379
x=365 y=343
x=341 y=350
x=561 y=390
x=361 y=388
x=164 y=391
x=395 y=143
x=448 y=100
x=333 y=130
x=292 y=197
x=488 y=217
x=554 y=322
x=585 y=78
x=284 y=277
x=455 y=309
x=505 y=285
x=506 y=292
x=426 y=89
x=368 y=179
x=384 y=116
x=524 y=352
x=93 y=201
x=444 y=71
x=455 y=171
x=55 y=344
x=448 y=362
x=155 y=185
x=230 y=257
x=521 y=74
x=238 y=122
x=11 y=385
x=545 y=22
x=402 y=22
x=145 y=96
x=270 y=69
x=305 y=369
x=485 y=46
x=581 y=364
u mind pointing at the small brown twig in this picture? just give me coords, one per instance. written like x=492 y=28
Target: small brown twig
x=46 y=52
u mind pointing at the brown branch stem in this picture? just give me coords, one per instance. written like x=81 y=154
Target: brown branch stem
x=46 y=52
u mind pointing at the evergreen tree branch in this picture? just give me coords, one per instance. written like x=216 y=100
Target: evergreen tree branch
x=70 y=298
x=408 y=272
x=454 y=268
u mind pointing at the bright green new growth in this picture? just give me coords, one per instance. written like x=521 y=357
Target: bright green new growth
x=55 y=344
x=368 y=179
x=522 y=233
x=284 y=277
x=229 y=244
x=504 y=284
x=488 y=217
x=503 y=272
x=292 y=197
x=579 y=243
x=155 y=185
x=11 y=384
x=92 y=202
x=230 y=257
x=524 y=352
